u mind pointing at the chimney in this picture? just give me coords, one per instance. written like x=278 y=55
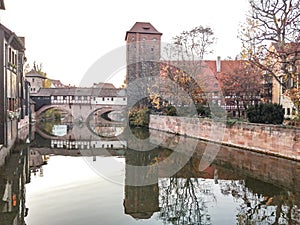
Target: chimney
x=218 y=64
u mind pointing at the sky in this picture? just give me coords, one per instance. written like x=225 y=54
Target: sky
x=69 y=36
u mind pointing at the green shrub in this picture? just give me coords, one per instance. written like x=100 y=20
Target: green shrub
x=170 y=111
x=203 y=110
x=139 y=116
x=267 y=113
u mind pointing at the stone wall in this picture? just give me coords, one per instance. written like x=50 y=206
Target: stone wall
x=268 y=139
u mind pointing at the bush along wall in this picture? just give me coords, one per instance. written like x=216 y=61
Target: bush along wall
x=267 y=113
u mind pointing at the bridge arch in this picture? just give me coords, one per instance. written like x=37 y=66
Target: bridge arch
x=81 y=112
x=47 y=107
x=103 y=127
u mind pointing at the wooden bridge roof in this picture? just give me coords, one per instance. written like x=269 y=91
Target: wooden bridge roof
x=77 y=91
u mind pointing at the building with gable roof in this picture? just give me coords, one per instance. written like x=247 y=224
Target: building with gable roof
x=12 y=84
x=144 y=60
x=281 y=84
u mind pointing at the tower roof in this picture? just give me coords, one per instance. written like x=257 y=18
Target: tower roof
x=34 y=73
x=143 y=28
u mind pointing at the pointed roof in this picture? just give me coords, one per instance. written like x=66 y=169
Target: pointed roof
x=12 y=38
x=2 y=6
x=34 y=73
x=143 y=28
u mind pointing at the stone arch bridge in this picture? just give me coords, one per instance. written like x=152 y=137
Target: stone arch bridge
x=82 y=103
x=81 y=112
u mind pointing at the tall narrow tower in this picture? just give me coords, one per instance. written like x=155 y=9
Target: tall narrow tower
x=143 y=51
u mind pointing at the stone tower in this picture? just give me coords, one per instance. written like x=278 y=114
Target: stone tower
x=143 y=51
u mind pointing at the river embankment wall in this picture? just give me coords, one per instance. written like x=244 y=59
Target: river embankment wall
x=268 y=139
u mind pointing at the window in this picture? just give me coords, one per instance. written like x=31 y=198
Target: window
x=9 y=54
x=154 y=39
x=103 y=99
x=288 y=111
x=112 y=98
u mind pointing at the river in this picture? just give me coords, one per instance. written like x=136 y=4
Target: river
x=154 y=178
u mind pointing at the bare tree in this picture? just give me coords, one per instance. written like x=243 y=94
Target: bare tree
x=183 y=62
x=271 y=38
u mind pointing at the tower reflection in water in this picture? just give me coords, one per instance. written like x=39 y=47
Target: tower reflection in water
x=264 y=188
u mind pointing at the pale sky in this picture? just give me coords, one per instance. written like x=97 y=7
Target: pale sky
x=69 y=36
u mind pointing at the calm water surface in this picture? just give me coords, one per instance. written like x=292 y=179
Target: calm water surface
x=69 y=192
x=236 y=187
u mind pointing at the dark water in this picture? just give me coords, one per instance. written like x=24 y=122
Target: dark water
x=97 y=181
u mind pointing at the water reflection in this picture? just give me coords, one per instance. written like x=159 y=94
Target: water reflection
x=239 y=187
x=13 y=177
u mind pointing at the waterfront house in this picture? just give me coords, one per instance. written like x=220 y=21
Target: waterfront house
x=12 y=85
x=199 y=79
x=285 y=62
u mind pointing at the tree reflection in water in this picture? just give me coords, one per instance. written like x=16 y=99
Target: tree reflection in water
x=261 y=189
x=269 y=206
x=258 y=192
x=187 y=201
x=184 y=200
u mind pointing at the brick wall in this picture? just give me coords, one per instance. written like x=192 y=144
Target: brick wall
x=268 y=139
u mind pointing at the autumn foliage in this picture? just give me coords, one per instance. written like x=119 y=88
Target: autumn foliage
x=241 y=85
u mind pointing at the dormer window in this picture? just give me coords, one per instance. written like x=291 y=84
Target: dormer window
x=146 y=27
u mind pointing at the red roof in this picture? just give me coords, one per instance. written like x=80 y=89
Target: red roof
x=207 y=75
x=226 y=66
x=143 y=28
